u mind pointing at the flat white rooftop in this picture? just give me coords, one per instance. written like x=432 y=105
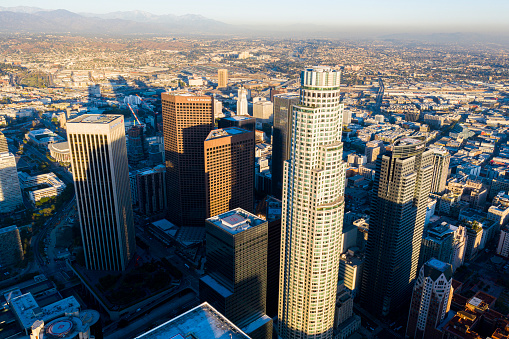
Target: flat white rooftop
x=95 y=118
x=201 y=322
x=236 y=220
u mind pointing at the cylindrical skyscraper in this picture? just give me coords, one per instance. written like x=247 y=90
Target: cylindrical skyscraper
x=313 y=205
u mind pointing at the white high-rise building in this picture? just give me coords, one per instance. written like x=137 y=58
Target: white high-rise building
x=10 y=191
x=313 y=206
x=242 y=102
x=103 y=193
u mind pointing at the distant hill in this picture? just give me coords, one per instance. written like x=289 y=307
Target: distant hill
x=36 y=20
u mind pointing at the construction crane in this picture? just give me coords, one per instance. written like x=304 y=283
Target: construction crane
x=139 y=123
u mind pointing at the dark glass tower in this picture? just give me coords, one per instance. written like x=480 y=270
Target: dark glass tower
x=236 y=279
x=283 y=104
x=398 y=209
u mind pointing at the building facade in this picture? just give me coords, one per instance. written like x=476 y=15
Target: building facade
x=151 y=187
x=441 y=159
x=242 y=107
x=398 y=211
x=229 y=175
x=10 y=191
x=222 y=78
x=236 y=280
x=187 y=121
x=11 y=250
x=283 y=110
x=103 y=194
x=431 y=300
x=136 y=144
x=313 y=208
x=503 y=243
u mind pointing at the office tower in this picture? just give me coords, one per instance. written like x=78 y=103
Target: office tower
x=222 y=78
x=103 y=194
x=350 y=269
x=275 y=91
x=242 y=121
x=236 y=267
x=373 y=150
x=431 y=299
x=345 y=321
x=229 y=175
x=281 y=137
x=10 y=191
x=313 y=207
x=151 y=186
x=446 y=243
x=11 y=250
x=441 y=159
x=503 y=243
x=263 y=111
x=136 y=144
x=242 y=102
x=398 y=210
x=187 y=121
x=3 y=144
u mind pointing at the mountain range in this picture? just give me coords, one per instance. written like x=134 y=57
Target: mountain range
x=37 y=20
x=24 y=19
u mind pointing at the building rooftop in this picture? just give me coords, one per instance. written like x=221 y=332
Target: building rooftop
x=201 y=322
x=95 y=118
x=236 y=221
x=28 y=311
x=62 y=147
x=239 y=118
x=226 y=132
x=8 y=229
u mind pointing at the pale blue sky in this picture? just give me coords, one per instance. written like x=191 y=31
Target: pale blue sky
x=467 y=15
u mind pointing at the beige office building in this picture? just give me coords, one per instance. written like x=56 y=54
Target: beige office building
x=103 y=193
x=222 y=78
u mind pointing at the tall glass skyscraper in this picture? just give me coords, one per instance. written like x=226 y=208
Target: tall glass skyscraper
x=398 y=209
x=313 y=206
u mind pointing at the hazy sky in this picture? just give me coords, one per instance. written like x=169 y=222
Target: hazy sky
x=470 y=15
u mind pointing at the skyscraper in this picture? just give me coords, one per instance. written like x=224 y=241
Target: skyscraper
x=283 y=106
x=236 y=280
x=3 y=144
x=431 y=299
x=242 y=102
x=441 y=159
x=103 y=195
x=222 y=78
x=398 y=209
x=10 y=190
x=229 y=175
x=136 y=144
x=151 y=186
x=313 y=206
x=187 y=121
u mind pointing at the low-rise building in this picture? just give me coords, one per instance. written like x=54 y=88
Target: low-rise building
x=55 y=186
